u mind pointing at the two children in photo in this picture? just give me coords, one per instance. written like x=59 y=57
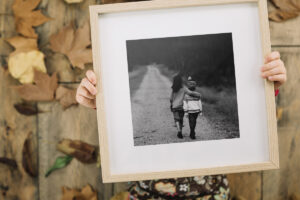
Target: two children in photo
x=185 y=101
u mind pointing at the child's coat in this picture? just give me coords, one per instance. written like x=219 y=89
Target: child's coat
x=192 y=104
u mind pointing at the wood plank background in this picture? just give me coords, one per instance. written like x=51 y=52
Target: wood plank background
x=78 y=122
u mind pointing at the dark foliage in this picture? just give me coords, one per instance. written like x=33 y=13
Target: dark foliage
x=208 y=59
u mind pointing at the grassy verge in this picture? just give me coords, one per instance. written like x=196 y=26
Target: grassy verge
x=135 y=79
x=224 y=101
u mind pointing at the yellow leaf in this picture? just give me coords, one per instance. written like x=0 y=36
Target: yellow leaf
x=22 y=65
x=121 y=196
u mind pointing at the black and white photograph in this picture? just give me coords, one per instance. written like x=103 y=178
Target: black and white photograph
x=182 y=89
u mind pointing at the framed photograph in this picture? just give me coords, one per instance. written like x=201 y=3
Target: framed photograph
x=179 y=88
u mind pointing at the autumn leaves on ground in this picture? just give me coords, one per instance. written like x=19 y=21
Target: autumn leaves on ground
x=26 y=63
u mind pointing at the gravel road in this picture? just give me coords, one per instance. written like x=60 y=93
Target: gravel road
x=153 y=121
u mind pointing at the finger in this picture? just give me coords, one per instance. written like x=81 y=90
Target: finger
x=271 y=65
x=272 y=56
x=91 y=76
x=274 y=71
x=281 y=78
x=91 y=103
x=85 y=93
x=89 y=86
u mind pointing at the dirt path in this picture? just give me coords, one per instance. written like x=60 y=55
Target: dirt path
x=153 y=121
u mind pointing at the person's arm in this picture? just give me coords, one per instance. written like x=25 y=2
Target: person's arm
x=192 y=93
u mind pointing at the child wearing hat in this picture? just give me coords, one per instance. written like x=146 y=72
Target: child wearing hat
x=192 y=107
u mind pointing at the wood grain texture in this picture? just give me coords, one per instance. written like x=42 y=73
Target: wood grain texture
x=247 y=185
x=55 y=124
x=269 y=86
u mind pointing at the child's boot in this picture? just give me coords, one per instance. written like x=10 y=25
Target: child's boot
x=179 y=135
x=192 y=135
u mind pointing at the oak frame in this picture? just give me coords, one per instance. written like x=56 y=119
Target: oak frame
x=273 y=162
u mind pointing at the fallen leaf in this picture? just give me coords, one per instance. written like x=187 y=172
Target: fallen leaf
x=43 y=89
x=86 y=193
x=26 y=18
x=121 y=196
x=66 y=96
x=25 y=59
x=26 y=109
x=285 y=9
x=60 y=162
x=22 y=44
x=295 y=196
x=287 y=5
x=29 y=161
x=73 y=44
x=82 y=151
x=280 y=15
x=73 y=1
x=9 y=162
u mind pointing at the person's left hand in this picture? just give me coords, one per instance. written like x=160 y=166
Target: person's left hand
x=274 y=69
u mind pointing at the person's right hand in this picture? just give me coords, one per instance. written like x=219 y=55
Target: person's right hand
x=86 y=92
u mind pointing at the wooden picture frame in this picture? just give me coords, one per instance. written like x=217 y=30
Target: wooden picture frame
x=98 y=11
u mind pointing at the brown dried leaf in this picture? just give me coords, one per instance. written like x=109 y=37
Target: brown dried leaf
x=43 y=89
x=25 y=59
x=280 y=15
x=66 y=96
x=287 y=5
x=286 y=9
x=26 y=18
x=74 y=44
x=9 y=162
x=22 y=44
x=86 y=193
x=29 y=161
x=82 y=151
x=26 y=109
x=295 y=196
